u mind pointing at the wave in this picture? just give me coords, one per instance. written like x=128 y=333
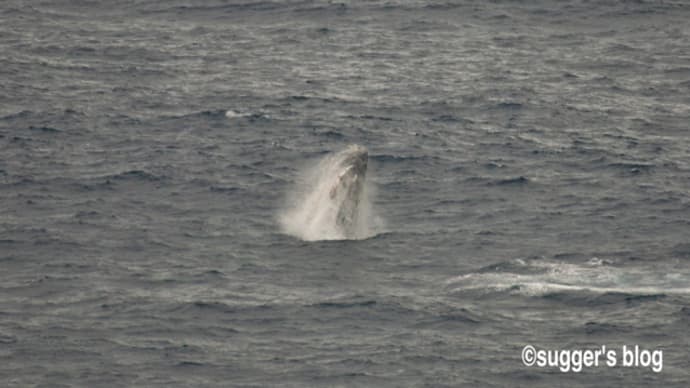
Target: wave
x=135 y=175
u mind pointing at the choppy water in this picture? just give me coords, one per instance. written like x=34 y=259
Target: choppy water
x=532 y=161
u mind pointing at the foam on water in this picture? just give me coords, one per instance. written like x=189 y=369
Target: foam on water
x=233 y=114
x=537 y=277
x=311 y=211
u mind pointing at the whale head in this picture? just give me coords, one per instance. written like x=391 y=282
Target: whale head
x=348 y=188
x=354 y=162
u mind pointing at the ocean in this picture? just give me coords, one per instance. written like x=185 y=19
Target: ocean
x=528 y=173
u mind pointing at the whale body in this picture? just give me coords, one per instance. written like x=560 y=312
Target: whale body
x=348 y=188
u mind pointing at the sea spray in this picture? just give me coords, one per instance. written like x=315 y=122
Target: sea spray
x=332 y=199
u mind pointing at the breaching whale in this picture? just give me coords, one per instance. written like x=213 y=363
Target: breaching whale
x=331 y=200
x=347 y=190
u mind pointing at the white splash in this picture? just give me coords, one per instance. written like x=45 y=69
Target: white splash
x=232 y=114
x=536 y=277
x=314 y=206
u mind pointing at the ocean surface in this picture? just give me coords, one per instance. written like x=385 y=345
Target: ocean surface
x=531 y=166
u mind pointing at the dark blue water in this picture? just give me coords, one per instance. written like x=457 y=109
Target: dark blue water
x=531 y=160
